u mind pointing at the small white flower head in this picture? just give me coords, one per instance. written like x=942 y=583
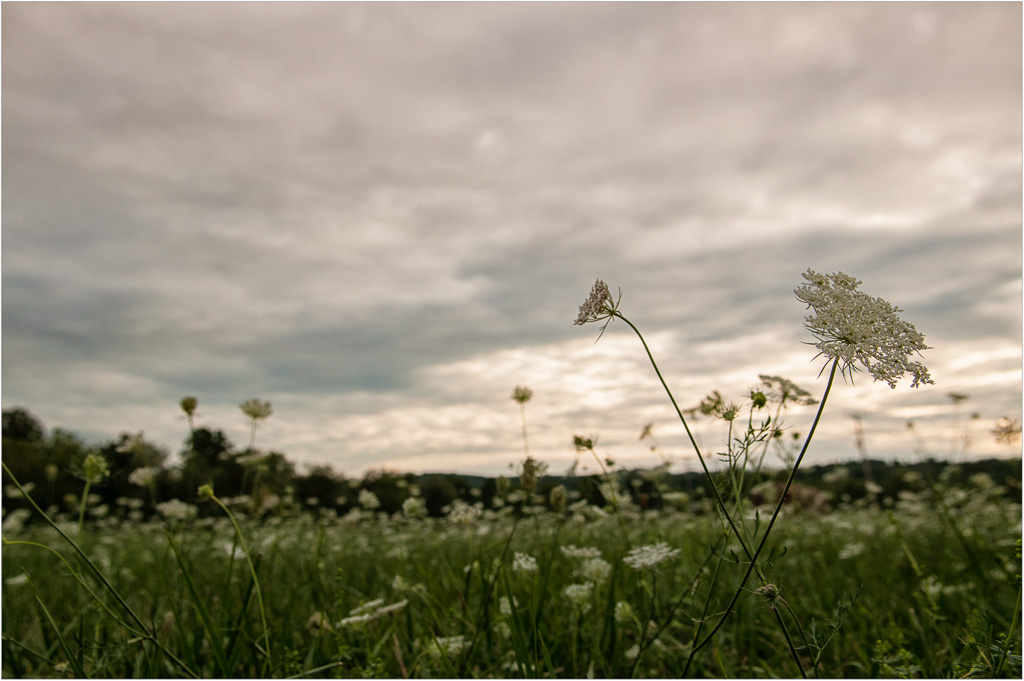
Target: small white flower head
x=571 y=551
x=524 y=563
x=650 y=555
x=95 y=468
x=175 y=509
x=594 y=570
x=598 y=306
x=851 y=550
x=144 y=476
x=623 y=612
x=522 y=394
x=853 y=327
x=450 y=646
x=464 y=514
x=412 y=507
x=579 y=594
x=368 y=500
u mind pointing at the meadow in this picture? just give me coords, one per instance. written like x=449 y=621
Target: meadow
x=923 y=586
x=750 y=573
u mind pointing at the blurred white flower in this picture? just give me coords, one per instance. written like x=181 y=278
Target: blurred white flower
x=649 y=556
x=368 y=500
x=144 y=476
x=447 y=645
x=579 y=594
x=524 y=563
x=176 y=509
x=851 y=550
x=570 y=551
x=594 y=570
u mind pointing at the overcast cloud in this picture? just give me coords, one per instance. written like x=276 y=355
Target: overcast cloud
x=383 y=217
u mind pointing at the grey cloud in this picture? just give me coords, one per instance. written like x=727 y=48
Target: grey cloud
x=331 y=199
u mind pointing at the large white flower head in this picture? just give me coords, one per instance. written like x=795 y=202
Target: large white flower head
x=853 y=327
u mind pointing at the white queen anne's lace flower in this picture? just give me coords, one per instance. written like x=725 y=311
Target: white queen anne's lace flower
x=523 y=562
x=649 y=556
x=853 y=327
x=597 y=305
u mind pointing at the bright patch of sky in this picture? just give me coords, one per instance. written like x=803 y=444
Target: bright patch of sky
x=382 y=217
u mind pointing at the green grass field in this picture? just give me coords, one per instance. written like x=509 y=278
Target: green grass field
x=924 y=587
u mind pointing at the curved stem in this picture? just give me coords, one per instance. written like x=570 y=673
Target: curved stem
x=693 y=441
x=99 y=575
x=771 y=522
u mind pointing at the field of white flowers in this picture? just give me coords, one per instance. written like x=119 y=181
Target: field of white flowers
x=927 y=586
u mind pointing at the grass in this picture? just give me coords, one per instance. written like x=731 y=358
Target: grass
x=917 y=599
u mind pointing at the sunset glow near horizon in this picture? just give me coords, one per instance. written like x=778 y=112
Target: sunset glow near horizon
x=382 y=218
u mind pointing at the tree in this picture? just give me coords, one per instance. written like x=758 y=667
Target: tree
x=21 y=425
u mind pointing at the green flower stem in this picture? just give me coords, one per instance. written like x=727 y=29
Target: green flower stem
x=252 y=571
x=721 y=501
x=693 y=441
x=1008 y=639
x=522 y=415
x=81 y=507
x=771 y=522
x=99 y=576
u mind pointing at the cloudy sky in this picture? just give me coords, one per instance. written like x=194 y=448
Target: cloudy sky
x=382 y=218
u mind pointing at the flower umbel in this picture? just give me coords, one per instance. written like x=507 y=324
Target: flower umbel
x=649 y=556
x=598 y=306
x=853 y=327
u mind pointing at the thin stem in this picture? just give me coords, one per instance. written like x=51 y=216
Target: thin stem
x=99 y=575
x=522 y=414
x=693 y=441
x=771 y=522
x=252 y=571
x=81 y=507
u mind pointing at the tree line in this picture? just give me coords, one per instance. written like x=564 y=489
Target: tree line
x=138 y=477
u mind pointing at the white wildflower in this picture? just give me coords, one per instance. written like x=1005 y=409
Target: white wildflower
x=371 y=610
x=594 y=570
x=623 y=612
x=853 y=327
x=368 y=500
x=357 y=619
x=464 y=514
x=570 y=551
x=579 y=594
x=15 y=520
x=851 y=550
x=144 y=476
x=597 y=306
x=632 y=652
x=447 y=645
x=394 y=607
x=176 y=509
x=649 y=556
x=524 y=563
x=367 y=607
